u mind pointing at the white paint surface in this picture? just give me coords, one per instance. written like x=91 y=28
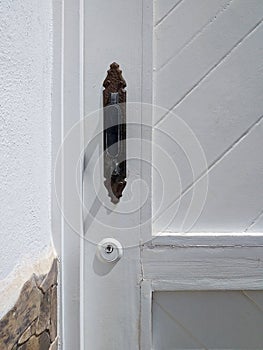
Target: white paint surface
x=204 y=262
x=111 y=303
x=208 y=320
x=116 y=310
x=208 y=72
x=25 y=132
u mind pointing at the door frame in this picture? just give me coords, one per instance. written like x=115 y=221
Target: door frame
x=99 y=318
x=67 y=110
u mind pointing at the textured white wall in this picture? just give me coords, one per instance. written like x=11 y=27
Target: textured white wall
x=25 y=133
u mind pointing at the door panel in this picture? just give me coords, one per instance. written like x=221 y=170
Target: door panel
x=207 y=320
x=208 y=73
x=172 y=289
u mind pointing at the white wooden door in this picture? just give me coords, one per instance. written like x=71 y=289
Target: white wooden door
x=190 y=217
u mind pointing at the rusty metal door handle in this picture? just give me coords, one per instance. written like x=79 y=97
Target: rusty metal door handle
x=114 y=125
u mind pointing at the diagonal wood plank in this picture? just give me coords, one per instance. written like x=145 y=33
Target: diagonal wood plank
x=182 y=24
x=219 y=111
x=255 y=222
x=187 y=70
x=164 y=8
x=255 y=225
x=233 y=195
x=171 y=326
x=220 y=320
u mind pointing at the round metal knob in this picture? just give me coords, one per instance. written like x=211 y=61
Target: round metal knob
x=109 y=250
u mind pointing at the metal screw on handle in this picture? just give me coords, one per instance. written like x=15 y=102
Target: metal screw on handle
x=109 y=250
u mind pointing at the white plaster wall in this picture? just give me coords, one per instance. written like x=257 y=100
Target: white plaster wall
x=25 y=132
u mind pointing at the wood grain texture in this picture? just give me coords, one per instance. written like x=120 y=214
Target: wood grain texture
x=203 y=267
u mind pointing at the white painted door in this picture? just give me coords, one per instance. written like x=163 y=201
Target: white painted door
x=190 y=219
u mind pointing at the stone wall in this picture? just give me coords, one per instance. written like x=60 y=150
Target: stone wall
x=32 y=323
